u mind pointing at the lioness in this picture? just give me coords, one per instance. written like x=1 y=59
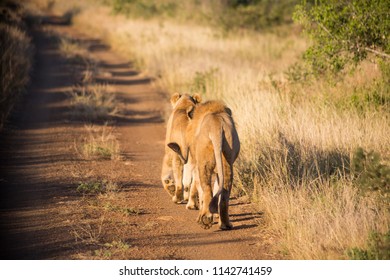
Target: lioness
x=211 y=143
x=172 y=168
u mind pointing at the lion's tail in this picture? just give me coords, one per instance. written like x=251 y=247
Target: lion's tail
x=216 y=138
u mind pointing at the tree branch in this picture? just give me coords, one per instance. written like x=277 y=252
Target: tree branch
x=377 y=52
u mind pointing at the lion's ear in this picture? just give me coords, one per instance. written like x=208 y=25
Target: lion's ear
x=174 y=98
x=176 y=148
x=190 y=111
x=197 y=98
x=227 y=110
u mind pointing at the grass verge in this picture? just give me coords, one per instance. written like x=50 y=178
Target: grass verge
x=16 y=53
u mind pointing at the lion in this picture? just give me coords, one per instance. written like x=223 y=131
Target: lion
x=173 y=167
x=169 y=185
x=212 y=143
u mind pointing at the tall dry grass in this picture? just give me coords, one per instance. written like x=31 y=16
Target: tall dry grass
x=100 y=143
x=297 y=139
x=16 y=53
x=93 y=102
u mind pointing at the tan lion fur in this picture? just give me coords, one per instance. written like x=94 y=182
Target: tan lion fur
x=173 y=165
x=212 y=143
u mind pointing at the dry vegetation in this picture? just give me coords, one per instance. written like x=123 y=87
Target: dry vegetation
x=93 y=102
x=101 y=207
x=100 y=143
x=15 y=68
x=298 y=139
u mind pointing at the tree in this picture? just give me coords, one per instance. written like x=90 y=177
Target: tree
x=345 y=32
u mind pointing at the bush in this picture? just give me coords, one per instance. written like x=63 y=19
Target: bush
x=371 y=175
x=145 y=8
x=96 y=187
x=255 y=14
x=378 y=248
x=228 y=14
x=344 y=32
x=204 y=82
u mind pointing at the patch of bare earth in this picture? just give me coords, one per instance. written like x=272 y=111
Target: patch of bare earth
x=44 y=209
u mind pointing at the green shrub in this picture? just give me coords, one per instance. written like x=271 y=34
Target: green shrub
x=378 y=248
x=230 y=15
x=344 y=32
x=145 y=8
x=90 y=188
x=204 y=82
x=96 y=187
x=127 y=211
x=371 y=175
x=255 y=14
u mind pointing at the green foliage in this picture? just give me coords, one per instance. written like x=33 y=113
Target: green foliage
x=297 y=73
x=103 y=152
x=96 y=187
x=108 y=249
x=372 y=97
x=371 y=174
x=344 y=32
x=128 y=211
x=385 y=69
x=203 y=82
x=378 y=248
x=90 y=188
x=255 y=14
x=229 y=15
x=145 y=8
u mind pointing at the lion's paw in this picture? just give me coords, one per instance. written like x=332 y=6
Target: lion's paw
x=191 y=206
x=206 y=221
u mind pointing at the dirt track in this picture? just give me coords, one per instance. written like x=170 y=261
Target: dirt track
x=38 y=160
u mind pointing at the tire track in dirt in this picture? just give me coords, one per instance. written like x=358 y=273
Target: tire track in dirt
x=34 y=149
x=37 y=157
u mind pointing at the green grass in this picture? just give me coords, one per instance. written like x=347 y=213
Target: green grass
x=127 y=211
x=96 y=187
x=378 y=248
x=100 y=143
x=113 y=248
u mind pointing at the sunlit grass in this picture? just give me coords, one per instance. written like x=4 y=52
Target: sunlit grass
x=93 y=102
x=100 y=143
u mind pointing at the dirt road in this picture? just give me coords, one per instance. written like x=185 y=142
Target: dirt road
x=42 y=215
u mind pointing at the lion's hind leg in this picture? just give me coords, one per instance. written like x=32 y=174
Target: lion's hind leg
x=224 y=221
x=205 y=218
x=178 y=176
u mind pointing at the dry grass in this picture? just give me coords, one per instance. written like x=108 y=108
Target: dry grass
x=16 y=59
x=89 y=233
x=102 y=219
x=73 y=49
x=321 y=222
x=297 y=140
x=100 y=143
x=93 y=101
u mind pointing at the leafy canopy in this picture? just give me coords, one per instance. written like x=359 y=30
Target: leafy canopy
x=344 y=32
